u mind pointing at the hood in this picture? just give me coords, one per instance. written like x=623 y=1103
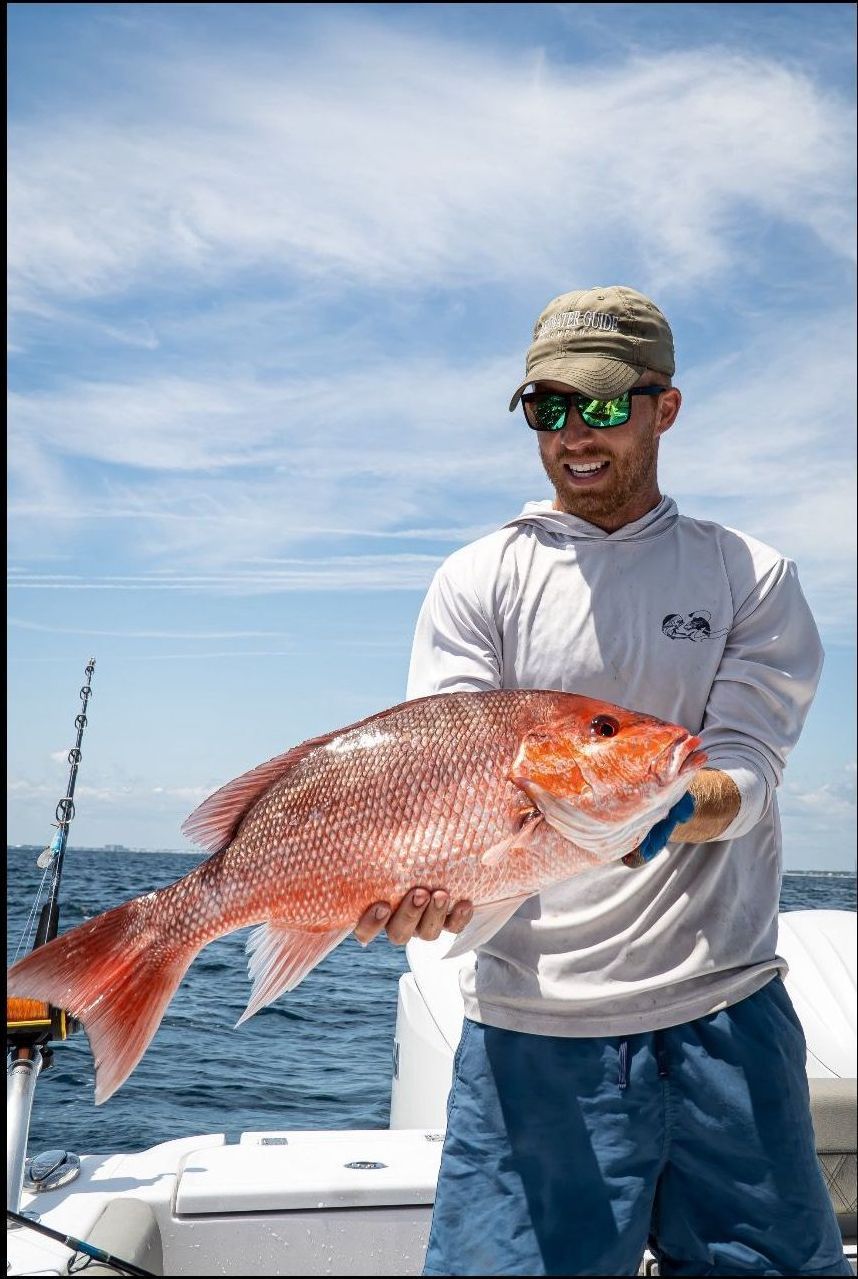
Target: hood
x=571 y=528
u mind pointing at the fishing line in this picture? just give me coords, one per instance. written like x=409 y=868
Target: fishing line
x=30 y=923
x=79 y=1245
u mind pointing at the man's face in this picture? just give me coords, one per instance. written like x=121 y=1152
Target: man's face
x=625 y=485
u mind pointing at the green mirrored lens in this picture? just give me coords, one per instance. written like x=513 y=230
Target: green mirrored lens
x=549 y=412
x=605 y=412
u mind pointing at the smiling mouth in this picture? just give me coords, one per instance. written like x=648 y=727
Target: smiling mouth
x=585 y=470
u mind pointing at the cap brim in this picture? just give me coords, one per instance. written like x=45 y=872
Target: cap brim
x=600 y=376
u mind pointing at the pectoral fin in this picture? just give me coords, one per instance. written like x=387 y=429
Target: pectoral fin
x=531 y=821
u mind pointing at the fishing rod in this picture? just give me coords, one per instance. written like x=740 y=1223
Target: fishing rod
x=49 y=922
x=28 y=1021
x=32 y=1023
x=79 y=1245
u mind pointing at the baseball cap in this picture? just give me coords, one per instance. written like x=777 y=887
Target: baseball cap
x=600 y=340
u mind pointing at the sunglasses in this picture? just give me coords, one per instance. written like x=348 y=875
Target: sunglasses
x=549 y=410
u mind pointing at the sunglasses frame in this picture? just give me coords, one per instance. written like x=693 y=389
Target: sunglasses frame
x=574 y=397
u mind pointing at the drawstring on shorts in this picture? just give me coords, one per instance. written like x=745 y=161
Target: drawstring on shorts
x=623 y=1073
x=623 y=1060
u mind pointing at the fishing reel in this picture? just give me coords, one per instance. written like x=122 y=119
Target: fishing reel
x=31 y=1024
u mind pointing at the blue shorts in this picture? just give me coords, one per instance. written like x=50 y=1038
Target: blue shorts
x=567 y=1156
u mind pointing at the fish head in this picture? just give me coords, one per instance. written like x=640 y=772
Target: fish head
x=603 y=775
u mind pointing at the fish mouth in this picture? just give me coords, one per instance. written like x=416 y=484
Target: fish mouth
x=696 y=759
x=680 y=758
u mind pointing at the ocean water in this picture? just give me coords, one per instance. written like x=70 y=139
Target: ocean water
x=321 y=1057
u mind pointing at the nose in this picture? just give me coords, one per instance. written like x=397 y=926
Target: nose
x=576 y=430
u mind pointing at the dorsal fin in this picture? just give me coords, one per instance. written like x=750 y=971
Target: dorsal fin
x=215 y=821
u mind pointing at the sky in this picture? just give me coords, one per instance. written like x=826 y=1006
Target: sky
x=273 y=270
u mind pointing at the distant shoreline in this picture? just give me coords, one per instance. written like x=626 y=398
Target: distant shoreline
x=198 y=852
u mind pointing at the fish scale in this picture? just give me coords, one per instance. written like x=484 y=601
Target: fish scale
x=491 y=796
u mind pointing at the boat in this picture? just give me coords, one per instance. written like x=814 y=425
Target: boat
x=359 y=1202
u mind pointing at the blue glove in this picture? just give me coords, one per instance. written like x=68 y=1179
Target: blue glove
x=661 y=832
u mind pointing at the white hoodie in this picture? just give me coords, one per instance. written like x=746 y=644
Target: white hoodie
x=680 y=618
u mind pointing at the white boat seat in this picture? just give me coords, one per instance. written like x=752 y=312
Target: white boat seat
x=833 y=1105
x=127 y=1228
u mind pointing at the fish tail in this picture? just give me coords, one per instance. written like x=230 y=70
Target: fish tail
x=115 y=974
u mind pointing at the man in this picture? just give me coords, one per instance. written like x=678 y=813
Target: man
x=630 y=1067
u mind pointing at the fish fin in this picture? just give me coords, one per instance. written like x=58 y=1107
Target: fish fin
x=280 y=956
x=214 y=822
x=532 y=820
x=116 y=976
x=494 y=855
x=487 y=921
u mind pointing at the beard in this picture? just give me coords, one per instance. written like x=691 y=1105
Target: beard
x=630 y=479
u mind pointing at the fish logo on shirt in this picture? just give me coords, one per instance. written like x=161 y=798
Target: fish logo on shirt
x=694 y=626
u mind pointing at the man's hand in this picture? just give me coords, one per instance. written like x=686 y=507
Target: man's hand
x=703 y=813
x=419 y=914
x=657 y=838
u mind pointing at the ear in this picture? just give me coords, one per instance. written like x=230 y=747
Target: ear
x=668 y=410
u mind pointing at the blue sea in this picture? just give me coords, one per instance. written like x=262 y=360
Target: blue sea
x=319 y=1058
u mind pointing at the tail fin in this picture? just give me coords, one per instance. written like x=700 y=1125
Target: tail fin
x=116 y=976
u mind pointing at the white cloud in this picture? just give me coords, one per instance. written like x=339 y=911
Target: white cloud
x=819 y=821
x=22 y=624
x=187 y=794
x=166 y=797
x=763 y=442
x=766 y=435
x=258 y=481
x=383 y=159
x=832 y=800
x=368 y=422
x=345 y=572
x=363 y=157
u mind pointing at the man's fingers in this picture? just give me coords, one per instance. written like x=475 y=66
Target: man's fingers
x=461 y=914
x=371 y=922
x=404 y=920
x=420 y=913
x=434 y=916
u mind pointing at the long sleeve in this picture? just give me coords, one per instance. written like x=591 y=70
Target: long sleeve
x=456 y=648
x=762 y=691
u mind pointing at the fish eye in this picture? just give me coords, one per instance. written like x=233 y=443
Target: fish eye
x=604 y=726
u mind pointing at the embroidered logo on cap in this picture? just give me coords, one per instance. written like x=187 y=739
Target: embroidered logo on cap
x=565 y=320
